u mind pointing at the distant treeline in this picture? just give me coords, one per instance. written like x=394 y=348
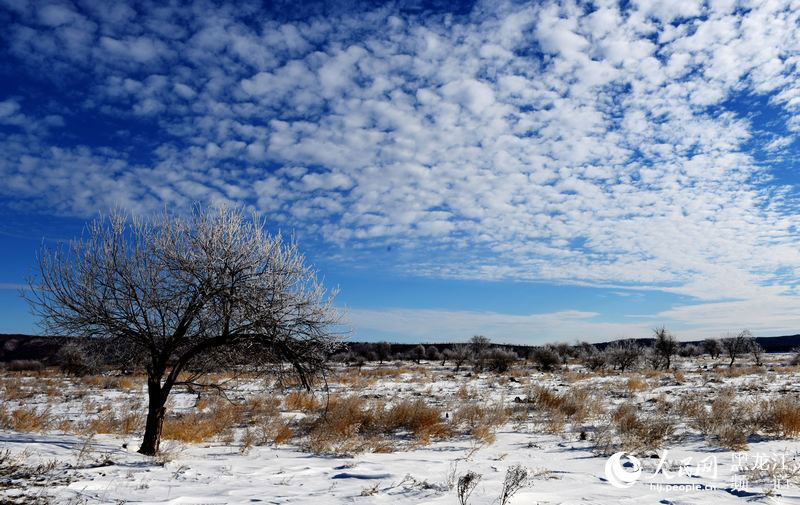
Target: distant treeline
x=45 y=349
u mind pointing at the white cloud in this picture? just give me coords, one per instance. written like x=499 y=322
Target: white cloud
x=595 y=161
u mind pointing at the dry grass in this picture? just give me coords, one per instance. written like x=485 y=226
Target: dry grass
x=481 y=422
x=639 y=432
x=14 y=388
x=731 y=373
x=28 y=419
x=728 y=421
x=301 y=401
x=123 y=420
x=571 y=377
x=635 y=384
x=574 y=405
x=780 y=417
x=351 y=424
x=198 y=427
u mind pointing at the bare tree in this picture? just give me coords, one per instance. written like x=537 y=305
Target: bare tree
x=418 y=353
x=461 y=353
x=499 y=360
x=688 y=351
x=432 y=353
x=756 y=351
x=734 y=346
x=712 y=347
x=546 y=357
x=384 y=351
x=182 y=295
x=796 y=358
x=665 y=346
x=623 y=354
x=479 y=345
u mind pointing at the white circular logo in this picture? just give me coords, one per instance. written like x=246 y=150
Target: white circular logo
x=620 y=477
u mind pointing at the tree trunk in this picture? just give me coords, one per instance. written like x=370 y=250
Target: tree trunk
x=155 y=417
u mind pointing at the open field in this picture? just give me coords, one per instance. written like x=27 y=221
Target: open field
x=405 y=433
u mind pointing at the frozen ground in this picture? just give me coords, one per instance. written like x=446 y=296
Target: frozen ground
x=563 y=468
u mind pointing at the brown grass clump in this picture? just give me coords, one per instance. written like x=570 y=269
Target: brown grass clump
x=106 y=382
x=574 y=405
x=638 y=433
x=383 y=373
x=337 y=428
x=351 y=424
x=739 y=372
x=301 y=401
x=27 y=419
x=635 y=384
x=126 y=420
x=481 y=422
x=282 y=434
x=728 y=421
x=16 y=389
x=780 y=417
x=415 y=416
x=572 y=377
x=465 y=393
x=198 y=427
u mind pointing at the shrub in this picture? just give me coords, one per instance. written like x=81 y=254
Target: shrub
x=499 y=360
x=728 y=421
x=516 y=478
x=466 y=485
x=781 y=417
x=75 y=359
x=25 y=365
x=481 y=422
x=573 y=405
x=546 y=358
x=638 y=432
x=623 y=355
x=422 y=420
x=337 y=427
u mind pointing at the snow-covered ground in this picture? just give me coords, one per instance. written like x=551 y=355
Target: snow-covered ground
x=562 y=467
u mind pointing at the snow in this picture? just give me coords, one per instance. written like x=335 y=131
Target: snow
x=106 y=468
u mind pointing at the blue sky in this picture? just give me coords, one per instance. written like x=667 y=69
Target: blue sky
x=529 y=171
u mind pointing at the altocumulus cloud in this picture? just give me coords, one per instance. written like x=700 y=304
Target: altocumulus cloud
x=564 y=142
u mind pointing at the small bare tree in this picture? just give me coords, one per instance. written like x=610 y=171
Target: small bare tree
x=479 y=345
x=545 y=357
x=665 y=346
x=734 y=346
x=623 y=354
x=461 y=353
x=712 y=347
x=384 y=351
x=182 y=295
x=756 y=351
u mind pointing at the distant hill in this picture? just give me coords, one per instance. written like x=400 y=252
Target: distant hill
x=15 y=346
x=784 y=343
x=18 y=346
